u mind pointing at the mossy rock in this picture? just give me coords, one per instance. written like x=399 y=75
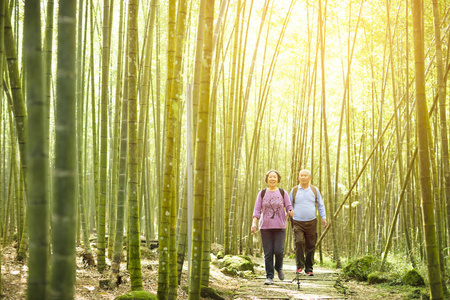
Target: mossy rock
x=246 y=274
x=362 y=267
x=379 y=277
x=247 y=258
x=206 y=292
x=418 y=294
x=237 y=263
x=137 y=295
x=147 y=253
x=220 y=255
x=210 y=293
x=413 y=278
x=229 y=271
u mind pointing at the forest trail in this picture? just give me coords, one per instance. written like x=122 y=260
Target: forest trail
x=325 y=284
x=319 y=286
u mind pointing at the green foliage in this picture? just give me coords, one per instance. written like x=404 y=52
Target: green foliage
x=137 y=295
x=381 y=277
x=413 y=278
x=362 y=267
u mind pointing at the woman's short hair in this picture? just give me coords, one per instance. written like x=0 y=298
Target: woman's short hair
x=276 y=172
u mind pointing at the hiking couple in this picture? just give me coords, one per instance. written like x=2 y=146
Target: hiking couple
x=271 y=207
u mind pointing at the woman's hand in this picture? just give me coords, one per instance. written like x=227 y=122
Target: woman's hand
x=254 y=226
x=291 y=213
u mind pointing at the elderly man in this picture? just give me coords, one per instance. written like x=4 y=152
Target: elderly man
x=304 y=198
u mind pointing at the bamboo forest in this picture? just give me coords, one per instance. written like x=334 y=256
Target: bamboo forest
x=138 y=135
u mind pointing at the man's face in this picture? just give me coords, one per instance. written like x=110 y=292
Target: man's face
x=304 y=178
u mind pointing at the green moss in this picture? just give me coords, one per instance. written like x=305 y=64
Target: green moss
x=229 y=271
x=146 y=253
x=208 y=292
x=246 y=258
x=362 y=267
x=220 y=255
x=379 y=277
x=413 y=278
x=137 y=295
x=237 y=263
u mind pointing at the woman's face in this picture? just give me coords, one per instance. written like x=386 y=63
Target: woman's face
x=272 y=179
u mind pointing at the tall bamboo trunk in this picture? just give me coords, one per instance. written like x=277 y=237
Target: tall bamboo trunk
x=101 y=226
x=37 y=212
x=169 y=170
x=202 y=152
x=117 y=135
x=132 y=169
x=442 y=111
x=64 y=205
x=422 y=123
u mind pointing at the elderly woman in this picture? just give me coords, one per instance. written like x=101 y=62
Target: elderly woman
x=271 y=206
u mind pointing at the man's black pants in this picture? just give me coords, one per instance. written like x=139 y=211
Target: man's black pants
x=305 y=237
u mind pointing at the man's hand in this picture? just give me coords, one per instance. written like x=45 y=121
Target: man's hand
x=324 y=223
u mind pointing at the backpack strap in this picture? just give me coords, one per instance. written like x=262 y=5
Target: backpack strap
x=314 y=190
x=294 y=193
x=263 y=192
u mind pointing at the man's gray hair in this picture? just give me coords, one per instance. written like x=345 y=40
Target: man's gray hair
x=305 y=170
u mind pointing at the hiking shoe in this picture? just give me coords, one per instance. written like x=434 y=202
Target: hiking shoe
x=310 y=273
x=268 y=281
x=281 y=275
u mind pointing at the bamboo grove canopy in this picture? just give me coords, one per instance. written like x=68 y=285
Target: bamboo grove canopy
x=157 y=120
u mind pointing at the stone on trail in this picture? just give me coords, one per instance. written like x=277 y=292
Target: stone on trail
x=379 y=277
x=362 y=267
x=413 y=278
x=137 y=295
x=233 y=264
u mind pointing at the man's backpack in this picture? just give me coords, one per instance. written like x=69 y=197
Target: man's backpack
x=263 y=192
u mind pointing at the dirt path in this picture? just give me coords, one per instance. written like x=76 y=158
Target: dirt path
x=319 y=286
x=325 y=284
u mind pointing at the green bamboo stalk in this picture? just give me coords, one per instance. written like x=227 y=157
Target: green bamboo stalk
x=47 y=66
x=122 y=188
x=65 y=190
x=168 y=180
x=101 y=228
x=202 y=152
x=133 y=204
x=37 y=212
x=2 y=127
x=422 y=123
x=94 y=117
x=19 y=109
x=442 y=108
x=116 y=135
